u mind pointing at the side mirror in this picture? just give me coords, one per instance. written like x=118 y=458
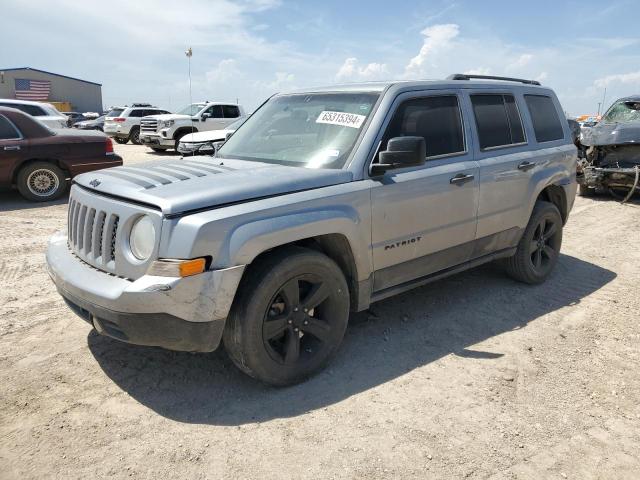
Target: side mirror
x=228 y=136
x=205 y=116
x=401 y=152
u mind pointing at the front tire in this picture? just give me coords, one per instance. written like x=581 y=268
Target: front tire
x=538 y=250
x=41 y=182
x=289 y=317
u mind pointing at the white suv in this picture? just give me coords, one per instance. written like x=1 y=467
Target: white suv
x=161 y=132
x=123 y=123
x=44 y=112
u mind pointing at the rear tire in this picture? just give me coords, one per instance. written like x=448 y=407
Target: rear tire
x=289 y=316
x=158 y=150
x=134 y=136
x=41 y=182
x=538 y=250
x=120 y=140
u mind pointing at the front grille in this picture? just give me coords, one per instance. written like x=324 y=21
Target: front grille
x=92 y=234
x=148 y=125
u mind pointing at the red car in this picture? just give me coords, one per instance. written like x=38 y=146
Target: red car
x=40 y=162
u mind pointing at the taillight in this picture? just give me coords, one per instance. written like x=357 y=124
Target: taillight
x=109 y=147
x=119 y=119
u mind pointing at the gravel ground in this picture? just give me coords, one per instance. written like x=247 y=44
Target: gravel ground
x=472 y=377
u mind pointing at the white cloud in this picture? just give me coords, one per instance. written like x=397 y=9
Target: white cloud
x=351 y=70
x=632 y=78
x=226 y=70
x=522 y=61
x=479 y=71
x=436 y=38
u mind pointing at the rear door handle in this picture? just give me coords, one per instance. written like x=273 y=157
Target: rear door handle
x=524 y=166
x=12 y=147
x=460 y=179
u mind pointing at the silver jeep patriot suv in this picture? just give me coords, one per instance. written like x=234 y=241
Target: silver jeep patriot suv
x=323 y=202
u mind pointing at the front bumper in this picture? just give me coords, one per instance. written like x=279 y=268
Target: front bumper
x=155 y=140
x=186 y=314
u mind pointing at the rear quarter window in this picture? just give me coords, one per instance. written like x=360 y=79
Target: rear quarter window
x=544 y=116
x=7 y=130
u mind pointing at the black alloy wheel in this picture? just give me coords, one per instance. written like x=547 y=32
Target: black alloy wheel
x=296 y=326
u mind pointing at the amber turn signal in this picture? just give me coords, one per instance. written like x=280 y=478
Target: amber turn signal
x=177 y=268
x=192 y=267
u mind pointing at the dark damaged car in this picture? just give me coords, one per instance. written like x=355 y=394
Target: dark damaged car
x=611 y=151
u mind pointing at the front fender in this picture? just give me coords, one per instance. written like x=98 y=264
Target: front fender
x=249 y=240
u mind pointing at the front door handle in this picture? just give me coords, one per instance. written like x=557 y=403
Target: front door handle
x=524 y=166
x=460 y=179
x=12 y=147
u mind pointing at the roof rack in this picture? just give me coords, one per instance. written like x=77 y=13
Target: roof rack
x=141 y=105
x=465 y=76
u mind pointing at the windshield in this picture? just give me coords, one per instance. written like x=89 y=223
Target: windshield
x=623 y=112
x=306 y=130
x=192 y=109
x=236 y=125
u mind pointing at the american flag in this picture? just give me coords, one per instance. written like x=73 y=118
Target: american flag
x=37 y=90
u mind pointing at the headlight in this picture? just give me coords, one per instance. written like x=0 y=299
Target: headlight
x=207 y=147
x=168 y=123
x=142 y=238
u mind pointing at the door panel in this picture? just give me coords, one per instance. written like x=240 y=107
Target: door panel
x=418 y=214
x=424 y=218
x=506 y=169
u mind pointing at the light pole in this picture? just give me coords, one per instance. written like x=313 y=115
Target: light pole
x=189 y=54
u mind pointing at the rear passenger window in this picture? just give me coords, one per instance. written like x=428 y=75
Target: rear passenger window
x=7 y=130
x=546 y=123
x=437 y=119
x=231 y=111
x=498 y=120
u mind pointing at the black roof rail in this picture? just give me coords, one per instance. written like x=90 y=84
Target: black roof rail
x=465 y=76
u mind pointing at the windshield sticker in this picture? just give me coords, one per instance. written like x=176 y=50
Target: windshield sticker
x=341 y=118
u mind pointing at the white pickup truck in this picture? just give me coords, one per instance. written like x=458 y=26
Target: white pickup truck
x=162 y=132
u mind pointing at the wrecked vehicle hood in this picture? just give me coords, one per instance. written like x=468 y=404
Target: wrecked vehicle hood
x=177 y=186
x=604 y=134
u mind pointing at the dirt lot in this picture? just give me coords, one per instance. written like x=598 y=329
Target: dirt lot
x=475 y=376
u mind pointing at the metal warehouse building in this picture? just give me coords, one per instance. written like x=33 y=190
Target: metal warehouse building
x=67 y=93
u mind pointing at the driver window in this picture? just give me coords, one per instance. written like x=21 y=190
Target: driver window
x=214 y=111
x=437 y=119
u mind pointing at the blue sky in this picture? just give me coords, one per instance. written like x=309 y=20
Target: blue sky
x=249 y=49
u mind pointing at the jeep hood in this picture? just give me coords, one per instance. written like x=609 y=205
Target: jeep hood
x=603 y=134
x=178 y=186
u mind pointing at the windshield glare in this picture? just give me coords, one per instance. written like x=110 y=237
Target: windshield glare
x=623 y=112
x=306 y=130
x=192 y=109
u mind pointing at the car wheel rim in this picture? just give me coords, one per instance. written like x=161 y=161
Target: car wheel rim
x=295 y=329
x=43 y=182
x=543 y=247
